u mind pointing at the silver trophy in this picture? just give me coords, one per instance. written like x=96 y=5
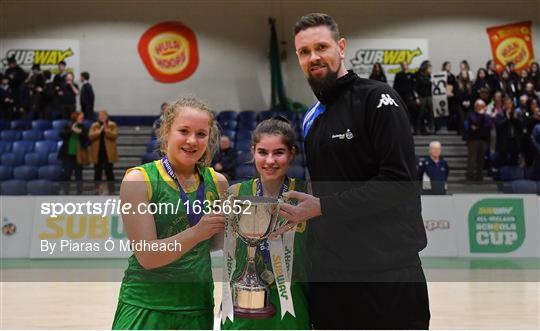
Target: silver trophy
x=257 y=220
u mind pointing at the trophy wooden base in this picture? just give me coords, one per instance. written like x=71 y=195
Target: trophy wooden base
x=255 y=314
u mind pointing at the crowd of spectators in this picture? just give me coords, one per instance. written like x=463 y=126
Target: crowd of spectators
x=41 y=95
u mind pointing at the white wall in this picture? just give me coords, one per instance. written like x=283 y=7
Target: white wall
x=233 y=39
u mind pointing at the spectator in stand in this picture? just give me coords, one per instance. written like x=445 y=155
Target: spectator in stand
x=404 y=86
x=477 y=140
x=529 y=91
x=480 y=83
x=492 y=78
x=25 y=98
x=60 y=77
x=16 y=76
x=522 y=105
x=6 y=99
x=508 y=130
x=157 y=123
x=464 y=65
x=225 y=160
x=103 y=135
x=433 y=171
x=425 y=104
x=87 y=96
x=69 y=90
x=511 y=68
x=464 y=96
x=496 y=105
x=535 y=75
x=455 y=117
x=524 y=80
x=37 y=84
x=74 y=151
x=51 y=100
x=535 y=141
x=377 y=73
x=508 y=86
x=530 y=119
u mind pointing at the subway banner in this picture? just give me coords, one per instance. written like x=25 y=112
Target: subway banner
x=363 y=53
x=497 y=225
x=512 y=43
x=169 y=51
x=45 y=52
x=78 y=230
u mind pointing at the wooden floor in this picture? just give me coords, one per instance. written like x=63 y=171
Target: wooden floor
x=454 y=305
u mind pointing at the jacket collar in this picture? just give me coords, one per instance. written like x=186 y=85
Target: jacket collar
x=341 y=83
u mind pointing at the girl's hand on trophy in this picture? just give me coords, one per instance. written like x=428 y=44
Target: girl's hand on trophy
x=209 y=225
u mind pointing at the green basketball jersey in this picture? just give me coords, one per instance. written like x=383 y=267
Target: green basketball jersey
x=298 y=284
x=185 y=284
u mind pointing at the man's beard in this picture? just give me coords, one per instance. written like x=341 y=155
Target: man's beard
x=321 y=85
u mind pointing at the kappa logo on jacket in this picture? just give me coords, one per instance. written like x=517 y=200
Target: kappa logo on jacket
x=386 y=100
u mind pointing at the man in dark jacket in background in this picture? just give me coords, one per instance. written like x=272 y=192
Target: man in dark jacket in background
x=404 y=86
x=478 y=140
x=366 y=227
x=87 y=96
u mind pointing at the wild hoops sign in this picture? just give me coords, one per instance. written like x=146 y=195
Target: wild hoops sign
x=512 y=43
x=169 y=52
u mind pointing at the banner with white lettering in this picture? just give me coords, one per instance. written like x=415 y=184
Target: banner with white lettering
x=497 y=225
x=45 y=52
x=362 y=54
x=87 y=227
x=439 y=95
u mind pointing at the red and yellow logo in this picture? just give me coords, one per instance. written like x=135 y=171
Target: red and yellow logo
x=512 y=43
x=169 y=52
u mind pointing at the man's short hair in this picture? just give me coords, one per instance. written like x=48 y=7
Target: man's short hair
x=317 y=19
x=85 y=75
x=62 y=63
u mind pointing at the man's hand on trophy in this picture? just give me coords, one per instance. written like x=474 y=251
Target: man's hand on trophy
x=308 y=207
x=209 y=225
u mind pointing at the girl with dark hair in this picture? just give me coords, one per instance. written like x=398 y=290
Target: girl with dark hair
x=425 y=107
x=274 y=148
x=377 y=73
x=480 y=83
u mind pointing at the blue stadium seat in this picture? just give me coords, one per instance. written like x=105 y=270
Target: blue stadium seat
x=14 y=187
x=243 y=158
x=10 y=135
x=20 y=125
x=149 y=157
x=510 y=173
x=52 y=134
x=298 y=160
x=6 y=172
x=243 y=145
x=25 y=172
x=247 y=116
x=245 y=171
x=229 y=133
x=524 y=186
x=32 y=135
x=4 y=125
x=59 y=124
x=264 y=115
x=50 y=172
x=12 y=159
x=52 y=158
x=227 y=115
x=87 y=123
x=42 y=187
x=246 y=126
x=22 y=147
x=5 y=146
x=292 y=117
x=35 y=159
x=243 y=135
x=152 y=146
x=46 y=146
x=227 y=125
x=296 y=172
x=41 y=125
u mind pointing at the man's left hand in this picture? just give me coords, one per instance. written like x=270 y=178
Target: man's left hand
x=308 y=207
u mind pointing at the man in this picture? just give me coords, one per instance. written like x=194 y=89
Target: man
x=367 y=227
x=16 y=76
x=404 y=86
x=60 y=77
x=492 y=78
x=87 y=96
x=433 y=171
x=225 y=159
x=478 y=140
x=6 y=99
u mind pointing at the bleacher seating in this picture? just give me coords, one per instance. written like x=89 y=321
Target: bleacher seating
x=10 y=135
x=22 y=147
x=46 y=146
x=6 y=172
x=35 y=159
x=5 y=146
x=41 y=125
x=32 y=135
x=13 y=187
x=25 y=172
x=52 y=135
x=42 y=187
x=51 y=172
x=59 y=124
x=21 y=125
x=12 y=159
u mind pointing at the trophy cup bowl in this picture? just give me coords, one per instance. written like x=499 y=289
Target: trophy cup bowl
x=258 y=219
